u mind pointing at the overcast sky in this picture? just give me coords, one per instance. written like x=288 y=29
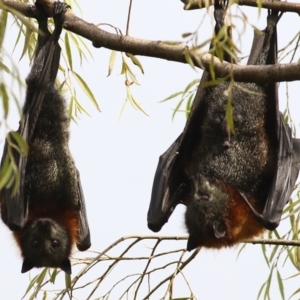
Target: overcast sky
x=117 y=158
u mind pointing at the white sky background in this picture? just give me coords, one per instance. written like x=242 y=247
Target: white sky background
x=117 y=158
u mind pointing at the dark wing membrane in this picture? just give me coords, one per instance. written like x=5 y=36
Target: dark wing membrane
x=288 y=158
x=170 y=181
x=46 y=56
x=15 y=202
x=84 y=237
x=160 y=205
x=283 y=181
x=264 y=51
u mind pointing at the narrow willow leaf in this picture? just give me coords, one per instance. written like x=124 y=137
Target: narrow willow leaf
x=3 y=22
x=5 y=68
x=71 y=107
x=187 y=34
x=177 y=108
x=261 y=290
x=68 y=281
x=280 y=285
x=135 y=61
x=264 y=251
x=229 y=116
x=133 y=102
x=138 y=105
x=123 y=108
x=188 y=57
x=68 y=51
x=131 y=74
x=80 y=108
x=240 y=250
x=53 y=275
x=124 y=68
x=23 y=146
x=268 y=283
x=191 y=84
x=28 y=34
x=86 y=89
x=112 y=61
x=295 y=293
x=189 y=105
x=20 y=33
x=171 y=96
x=5 y=100
x=31 y=285
x=6 y=173
x=275 y=248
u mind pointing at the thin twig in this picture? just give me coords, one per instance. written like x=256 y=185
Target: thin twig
x=128 y=18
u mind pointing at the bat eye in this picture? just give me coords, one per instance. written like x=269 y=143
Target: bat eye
x=54 y=243
x=35 y=243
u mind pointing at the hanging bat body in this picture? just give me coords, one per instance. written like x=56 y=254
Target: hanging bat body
x=47 y=214
x=234 y=184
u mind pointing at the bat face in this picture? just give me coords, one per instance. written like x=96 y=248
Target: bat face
x=217 y=215
x=45 y=243
x=234 y=183
x=47 y=214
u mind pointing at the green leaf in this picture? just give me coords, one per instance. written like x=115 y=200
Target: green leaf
x=188 y=58
x=68 y=281
x=135 y=61
x=171 y=97
x=280 y=285
x=28 y=34
x=5 y=100
x=132 y=100
x=68 y=51
x=6 y=173
x=3 y=23
x=229 y=116
x=86 y=89
x=112 y=61
x=23 y=146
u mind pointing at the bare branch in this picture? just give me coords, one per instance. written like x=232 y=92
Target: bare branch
x=270 y=4
x=159 y=49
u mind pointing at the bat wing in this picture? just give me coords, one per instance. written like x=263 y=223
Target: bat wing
x=171 y=183
x=16 y=202
x=284 y=180
x=16 y=206
x=288 y=149
x=84 y=237
x=161 y=206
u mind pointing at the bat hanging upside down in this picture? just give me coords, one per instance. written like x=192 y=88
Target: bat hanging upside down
x=47 y=214
x=234 y=184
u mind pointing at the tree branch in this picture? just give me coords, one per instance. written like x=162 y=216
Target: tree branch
x=270 y=4
x=159 y=49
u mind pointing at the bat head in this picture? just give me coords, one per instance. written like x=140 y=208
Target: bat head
x=206 y=213
x=45 y=243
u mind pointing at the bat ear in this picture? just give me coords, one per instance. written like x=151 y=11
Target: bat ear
x=219 y=229
x=66 y=266
x=192 y=243
x=27 y=266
